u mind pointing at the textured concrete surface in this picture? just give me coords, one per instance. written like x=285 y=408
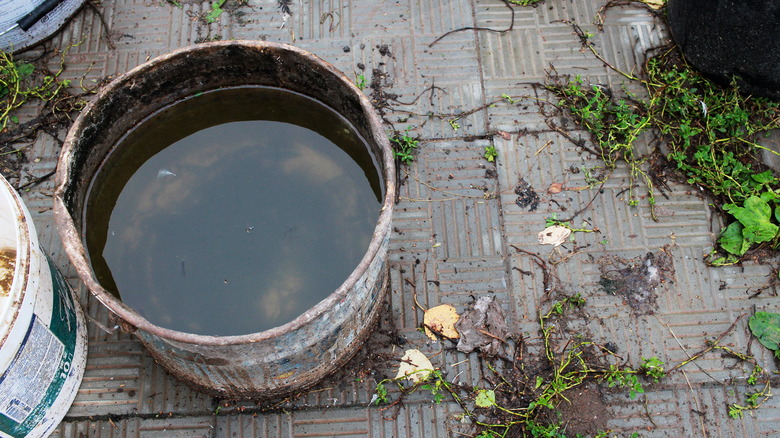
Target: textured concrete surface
x=451 y=241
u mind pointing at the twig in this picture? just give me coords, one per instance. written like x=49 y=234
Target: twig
x=35 y=181
x=432 y=88
x=710 y=345
x=414 y=297
x=587 y=206
x=549 y=142
x=599 y=18
x=542 y=265
x=487 y=29
x=445 y=191
x=698 y=408
x=103 y=22
x=586 y=43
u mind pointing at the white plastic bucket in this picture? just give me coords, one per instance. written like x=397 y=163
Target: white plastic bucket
x=42 y=331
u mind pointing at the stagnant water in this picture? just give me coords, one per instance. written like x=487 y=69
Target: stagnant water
x=233 y=211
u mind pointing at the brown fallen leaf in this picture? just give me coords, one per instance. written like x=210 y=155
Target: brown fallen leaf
x=483 y=327
x=505 y=135
x=555 y=188
x=441 y=319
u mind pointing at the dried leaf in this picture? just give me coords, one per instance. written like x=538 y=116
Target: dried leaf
x=414 y=366
x=655 y=4
x=554 y=235
x=483 y=327
x=505 y=135
x=555 y=188
x=442 y=319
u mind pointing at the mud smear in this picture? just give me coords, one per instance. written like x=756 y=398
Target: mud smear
x=585 y=412
x=637 y=280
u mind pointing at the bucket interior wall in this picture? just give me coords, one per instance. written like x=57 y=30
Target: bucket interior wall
x=161 y=84
x=279 y=360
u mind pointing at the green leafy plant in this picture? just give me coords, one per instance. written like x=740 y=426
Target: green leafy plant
x=553 y=220
x=381 y=393
x=753 y=401
x=432 y=381
x=765 y=326
x=525 y=2
x=541 y=393
x=653 y=368
x=490 y=153
x=21 y=82
x=215 y=12
x=712 y=133
x=454 y=124
x=360 y=81
x=405 y=146
x=617 y=376
x=508 y=98
x=436 y=388
x=614 y=127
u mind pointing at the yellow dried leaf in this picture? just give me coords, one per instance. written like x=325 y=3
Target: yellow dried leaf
x=415 y=366
x=655 y=4
x=555 y=188
x=441 y=319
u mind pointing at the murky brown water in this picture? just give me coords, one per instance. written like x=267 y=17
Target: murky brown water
x=233 y=211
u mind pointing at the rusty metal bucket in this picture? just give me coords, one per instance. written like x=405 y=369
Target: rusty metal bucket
x=269 y=363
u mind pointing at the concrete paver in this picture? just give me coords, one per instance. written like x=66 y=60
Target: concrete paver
x=457 y=222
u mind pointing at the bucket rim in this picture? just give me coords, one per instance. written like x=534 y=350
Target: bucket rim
x=11 y=303
x=72 y=239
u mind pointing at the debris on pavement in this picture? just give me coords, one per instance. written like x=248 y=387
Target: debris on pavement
x=415 y=366
x=440 y=320
x=637 y=279
x=526 y=196
x=483 y=327
x=554 y=235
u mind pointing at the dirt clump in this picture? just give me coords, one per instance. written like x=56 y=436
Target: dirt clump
x=637 y=279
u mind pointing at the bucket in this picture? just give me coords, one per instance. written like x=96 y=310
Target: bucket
x=42 y=333
x=25 y=23
x=273 y=362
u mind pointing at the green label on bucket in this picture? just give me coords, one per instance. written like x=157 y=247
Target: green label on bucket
x=32 y=382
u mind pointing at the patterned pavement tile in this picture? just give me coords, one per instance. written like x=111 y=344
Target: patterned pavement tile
x=458 y=230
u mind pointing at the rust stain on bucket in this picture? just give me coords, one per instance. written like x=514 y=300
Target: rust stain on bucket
x=276 y=361
x=7 y=269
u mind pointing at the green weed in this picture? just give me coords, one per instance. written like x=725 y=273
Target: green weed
x=405 y=145
x=753 y=401
x=614 y=127
x=712 y=135
x=508 y=99
x=490 y=153
x=553 y=220
x=360 y=81
x=454 y=124
x=653 y=368
x=499 y=414
x=215 y=12
x=21 y=82
x=525 y=2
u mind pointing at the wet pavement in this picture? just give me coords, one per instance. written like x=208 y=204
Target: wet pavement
x=463 y=227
